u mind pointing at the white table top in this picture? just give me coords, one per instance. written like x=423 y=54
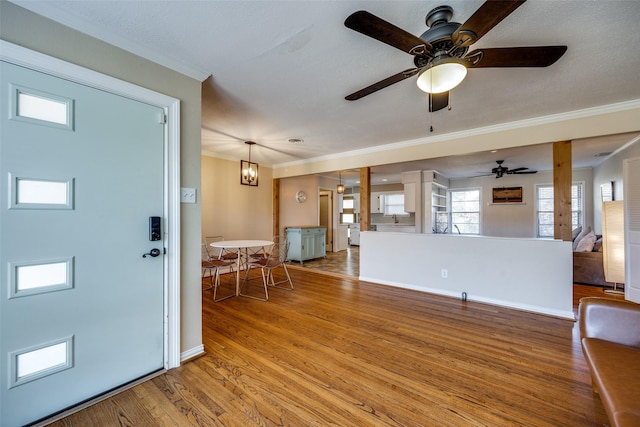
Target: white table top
x=241 y=243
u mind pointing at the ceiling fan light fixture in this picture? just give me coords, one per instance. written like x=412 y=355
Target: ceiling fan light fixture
x=442 y=76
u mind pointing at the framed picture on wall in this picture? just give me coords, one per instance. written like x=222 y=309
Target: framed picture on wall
x=507 y=195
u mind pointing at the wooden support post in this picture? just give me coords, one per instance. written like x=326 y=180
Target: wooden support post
x=276 y=207
x=365 y=199
x=562 y=190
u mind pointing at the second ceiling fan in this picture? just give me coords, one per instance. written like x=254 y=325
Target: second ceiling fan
x=440 y=54
x=501 y=171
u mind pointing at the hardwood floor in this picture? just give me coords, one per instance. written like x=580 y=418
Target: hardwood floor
x=345 y=262
x=337 y=351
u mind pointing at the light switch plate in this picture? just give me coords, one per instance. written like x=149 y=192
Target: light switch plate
x=187 y=195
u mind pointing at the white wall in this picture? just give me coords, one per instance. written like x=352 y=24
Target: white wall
x=607 y=171
x=519 y=220
x=233 y=210
x=526 y=274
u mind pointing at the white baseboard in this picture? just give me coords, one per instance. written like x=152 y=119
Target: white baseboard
x=191 y=353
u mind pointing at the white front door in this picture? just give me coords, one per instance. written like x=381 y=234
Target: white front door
x=81 y=310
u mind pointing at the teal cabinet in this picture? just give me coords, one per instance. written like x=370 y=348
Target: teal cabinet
x=306 y=243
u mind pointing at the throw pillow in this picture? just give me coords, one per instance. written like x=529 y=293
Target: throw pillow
x=575 y=232
x=583 y=233
x=586 y=243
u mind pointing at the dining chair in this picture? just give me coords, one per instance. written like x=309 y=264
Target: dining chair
x=261 y=252
x=277 y=259
x=212 y=266
x=277 y=256
x=224 y=254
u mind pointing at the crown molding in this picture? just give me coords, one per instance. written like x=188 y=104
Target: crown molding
x=502 y=127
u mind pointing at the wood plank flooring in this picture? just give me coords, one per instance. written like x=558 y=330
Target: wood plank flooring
x=337 y=351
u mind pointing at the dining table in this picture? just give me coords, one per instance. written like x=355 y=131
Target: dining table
x=242 y=246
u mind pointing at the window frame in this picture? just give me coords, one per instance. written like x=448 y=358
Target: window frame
x=347 y=211
x=580 y=185
x=385 y=205
x=451 y=212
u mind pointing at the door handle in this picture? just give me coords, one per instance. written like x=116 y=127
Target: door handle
x=152 y=253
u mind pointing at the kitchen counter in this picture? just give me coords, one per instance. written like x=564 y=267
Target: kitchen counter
x=398 y=228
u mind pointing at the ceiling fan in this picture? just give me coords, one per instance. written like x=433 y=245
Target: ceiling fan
x=440 y=53
x=500 y=171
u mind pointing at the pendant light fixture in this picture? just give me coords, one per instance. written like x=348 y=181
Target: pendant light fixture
x=249 y=170
x=340 y=188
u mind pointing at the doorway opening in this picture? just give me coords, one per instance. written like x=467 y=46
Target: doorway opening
x=326 y=217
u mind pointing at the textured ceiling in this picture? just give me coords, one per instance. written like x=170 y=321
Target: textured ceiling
x=281 y=69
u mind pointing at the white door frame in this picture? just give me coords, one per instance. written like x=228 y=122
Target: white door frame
x=27 y=58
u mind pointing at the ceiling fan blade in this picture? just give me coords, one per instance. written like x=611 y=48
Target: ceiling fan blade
x=523 y=172
x=484 y=19
x=379 y=29
x=382 y=84
x=532 y=56
x=517 y=170
x=438 y=101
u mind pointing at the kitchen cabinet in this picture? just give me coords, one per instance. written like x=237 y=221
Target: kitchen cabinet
x=377 y=202
x=306 y=243
x=410 y=197
x=356 y=202
x=388 y=203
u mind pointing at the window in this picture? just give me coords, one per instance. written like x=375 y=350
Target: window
x=348 y=215
x=347 y=203
x=30 y=105
x=393 y=204
x=544 y=207
x=465 y=211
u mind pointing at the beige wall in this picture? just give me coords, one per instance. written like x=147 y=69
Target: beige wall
x=27 y=29
x=233 y=210
x=294 y=214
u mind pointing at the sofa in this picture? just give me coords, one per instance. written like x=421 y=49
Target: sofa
x=588 y=266
x=610 y=339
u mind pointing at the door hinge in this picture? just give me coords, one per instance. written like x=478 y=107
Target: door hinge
x=162 y=119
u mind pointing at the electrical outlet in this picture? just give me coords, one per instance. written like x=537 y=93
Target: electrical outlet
x=444 y=273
